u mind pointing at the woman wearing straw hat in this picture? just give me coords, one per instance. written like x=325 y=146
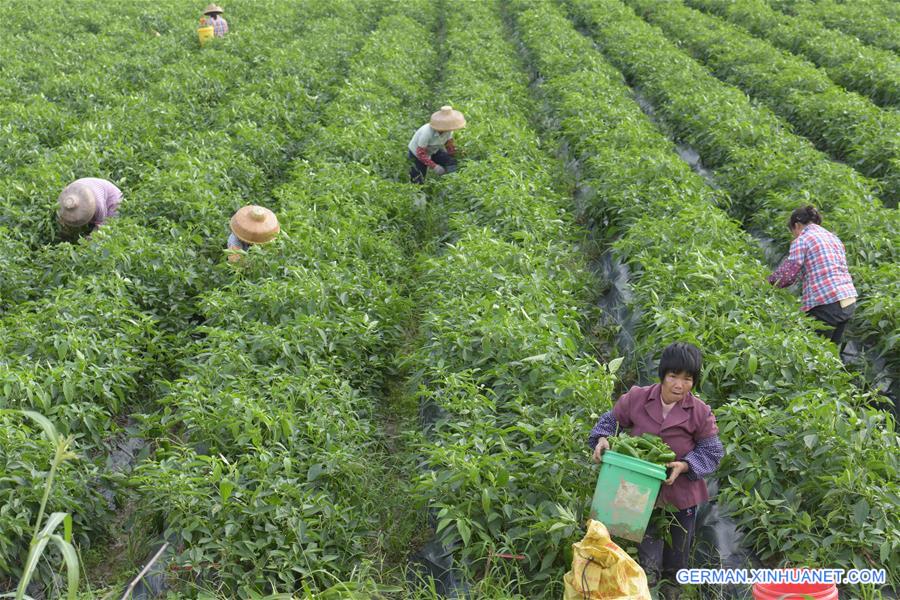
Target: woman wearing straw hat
x=431 y=147
x=251 y=225
x=88 y=201
x=218 y=23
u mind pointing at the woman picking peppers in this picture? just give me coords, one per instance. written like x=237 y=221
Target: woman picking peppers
x=817 y=257
x=432 y=146
x=687 y=425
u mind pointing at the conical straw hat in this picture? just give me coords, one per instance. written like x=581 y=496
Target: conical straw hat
x=76 y=205
x=213 y=8
x=255 y=224
x=447 y=119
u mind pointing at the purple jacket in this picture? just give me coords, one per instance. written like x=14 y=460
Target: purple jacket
x=108 y=198
x=690 y=420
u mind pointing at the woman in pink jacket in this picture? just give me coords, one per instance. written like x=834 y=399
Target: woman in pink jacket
x=687 y=425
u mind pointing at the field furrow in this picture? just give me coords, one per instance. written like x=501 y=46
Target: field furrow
x=502 y=365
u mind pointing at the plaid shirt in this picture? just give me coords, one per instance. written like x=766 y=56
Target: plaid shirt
x=817 y=256
x=219 y=25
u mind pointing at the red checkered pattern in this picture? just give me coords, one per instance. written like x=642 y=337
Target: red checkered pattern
x=220 y=26
x=817 y=256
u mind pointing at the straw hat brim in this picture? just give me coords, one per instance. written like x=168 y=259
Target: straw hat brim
x=442 y=121
x=251 y=231
x=85 y=205
x=213 y=8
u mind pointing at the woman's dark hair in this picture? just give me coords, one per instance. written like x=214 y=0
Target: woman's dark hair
x=680 y=357
x=805 y=215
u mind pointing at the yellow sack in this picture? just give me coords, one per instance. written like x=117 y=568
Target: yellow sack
x=603 y=571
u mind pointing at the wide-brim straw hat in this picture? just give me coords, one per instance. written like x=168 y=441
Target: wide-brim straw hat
x=76 y=205
x=255 y=224
x=213 y=8
x=447 y=119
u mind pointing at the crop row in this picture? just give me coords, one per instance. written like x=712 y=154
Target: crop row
x=501 y=359
x=767 y=171
x=695 y=278
x=98 y=327
x=188 y=118
x=272 y=468
x=848 y=126
x=48 y=86
x=872 y=72
x=129 y=84
x=866 y=20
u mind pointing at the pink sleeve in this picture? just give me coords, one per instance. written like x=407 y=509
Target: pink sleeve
x=622 y=409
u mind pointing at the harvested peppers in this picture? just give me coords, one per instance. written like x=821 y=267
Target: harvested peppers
x=647 y=447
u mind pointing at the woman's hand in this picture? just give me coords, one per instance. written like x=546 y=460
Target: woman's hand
x=602 y=446
x=678 y=467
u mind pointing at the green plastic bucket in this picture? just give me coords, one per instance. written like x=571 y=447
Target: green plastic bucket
x=625 y=494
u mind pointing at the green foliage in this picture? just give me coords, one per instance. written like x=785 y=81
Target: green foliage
x=22 y=502
x=848 y=126
x=264 y=385
x=814 y=482
x=271 y=459
x=861 y=19
x=869 y=71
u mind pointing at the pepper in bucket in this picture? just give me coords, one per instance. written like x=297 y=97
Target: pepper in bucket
x=88 y=201
x=212 y=17
x=251 y=225
x=432 y=146
x=688 y=427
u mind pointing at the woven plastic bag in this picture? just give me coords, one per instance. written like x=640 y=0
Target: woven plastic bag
x=601 y=570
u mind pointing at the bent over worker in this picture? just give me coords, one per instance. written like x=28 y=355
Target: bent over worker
x=88 y=201
x=687 y=425
x=432 y=147
x=251 y=225
x=817 y=257
x=218 y=23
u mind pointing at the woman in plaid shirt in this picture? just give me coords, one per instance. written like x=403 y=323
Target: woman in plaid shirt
x=216 y=21
x=817 y=257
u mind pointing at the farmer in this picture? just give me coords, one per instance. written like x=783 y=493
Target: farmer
x=251 y=225
x=219 y=24
x=431 y=147
x=687 y=425
x=817 y=257
x=87 y=201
